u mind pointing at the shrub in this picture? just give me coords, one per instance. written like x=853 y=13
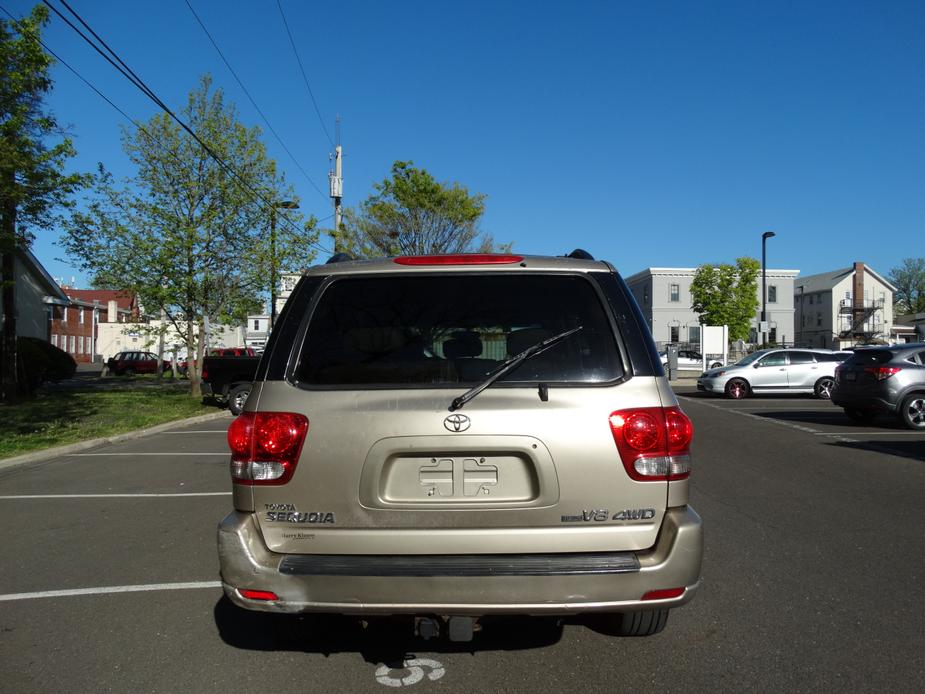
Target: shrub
x=40 y=361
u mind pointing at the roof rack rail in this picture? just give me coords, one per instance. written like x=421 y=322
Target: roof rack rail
x=339 y=258
x=580 y=254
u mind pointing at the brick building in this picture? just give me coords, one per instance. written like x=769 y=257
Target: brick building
x=74 y=327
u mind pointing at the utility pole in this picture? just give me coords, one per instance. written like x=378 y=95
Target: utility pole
x=336 y=181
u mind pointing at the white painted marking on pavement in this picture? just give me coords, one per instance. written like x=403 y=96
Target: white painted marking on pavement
x=415 y=668
x=106 y=590
x=111 y=496
x=757 y=418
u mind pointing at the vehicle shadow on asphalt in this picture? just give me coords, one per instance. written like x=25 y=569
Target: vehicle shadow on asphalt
x=387 y=640
x=914 y=450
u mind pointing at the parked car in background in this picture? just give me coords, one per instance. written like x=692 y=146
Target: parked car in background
x=883 y=380
x=228 y=378
x=128 y=363
x=183 y=366
x=689 y=360
x=775 y=371
x=430 y=439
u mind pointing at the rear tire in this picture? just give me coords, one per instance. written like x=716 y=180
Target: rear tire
x=859 y=416
x=644 y=623
x=237 y=397
x=737 y=389
x=912 y=411
x=823 y=388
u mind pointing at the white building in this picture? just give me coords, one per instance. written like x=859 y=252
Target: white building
x=664 y=295
x=843 y=307
x=256 y=331
x=36 y=293
x=118 y=337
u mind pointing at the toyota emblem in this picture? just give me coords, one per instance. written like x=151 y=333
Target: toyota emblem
x=456 y=422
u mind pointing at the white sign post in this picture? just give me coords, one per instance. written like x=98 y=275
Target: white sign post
x=715 y=340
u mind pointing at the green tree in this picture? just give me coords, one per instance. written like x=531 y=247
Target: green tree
x=727 y=295
x=33 y=184
x=909 y=280
x=186 y=235
x=411 y=213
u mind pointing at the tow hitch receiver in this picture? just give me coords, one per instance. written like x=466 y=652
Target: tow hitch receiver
x=456 y=628
x=461 y=628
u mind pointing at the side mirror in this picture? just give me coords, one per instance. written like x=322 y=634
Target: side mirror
x=756 y=365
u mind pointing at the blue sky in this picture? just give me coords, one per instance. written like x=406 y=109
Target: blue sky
x=649 y=133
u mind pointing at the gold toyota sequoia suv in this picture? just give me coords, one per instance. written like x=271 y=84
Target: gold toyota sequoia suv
x=456 y=436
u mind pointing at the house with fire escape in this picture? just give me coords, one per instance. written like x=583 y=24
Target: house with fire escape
x=842 y=308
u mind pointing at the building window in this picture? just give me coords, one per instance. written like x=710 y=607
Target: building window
x=64 y=315
x=256 y=325
x=54 y=340
x=675 y=333
x=80 y=345
x=772 y=335
x=81 y=314
x=73 y=341
x=818 y=320
x=772 y=293
x=674 y=292
x=693 y=334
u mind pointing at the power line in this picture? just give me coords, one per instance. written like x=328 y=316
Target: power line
x=127 y=72
x=79 y=76
x=304 y=76
x=253 y=103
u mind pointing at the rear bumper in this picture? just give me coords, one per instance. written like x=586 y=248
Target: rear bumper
x=866 y=403
x=673 y=562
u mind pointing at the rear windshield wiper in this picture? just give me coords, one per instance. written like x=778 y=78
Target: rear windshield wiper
x=509 y=365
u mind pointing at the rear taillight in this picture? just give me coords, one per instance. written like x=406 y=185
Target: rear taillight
x=205 y=373
x=265 y=446
x=881 y=373
x=459 y=259
x=653 y=442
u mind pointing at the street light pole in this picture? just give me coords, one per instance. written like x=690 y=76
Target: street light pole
x=285 y=205
x=762 y=327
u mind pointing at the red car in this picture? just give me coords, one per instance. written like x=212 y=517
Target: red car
x=130 y=363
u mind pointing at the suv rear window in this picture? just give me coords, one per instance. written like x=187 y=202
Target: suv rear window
x=869 y=356
x=455 y=328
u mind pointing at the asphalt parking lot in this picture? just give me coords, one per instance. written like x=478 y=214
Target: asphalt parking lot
x=812 y=577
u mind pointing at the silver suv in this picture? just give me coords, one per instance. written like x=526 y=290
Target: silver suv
x=775 y=371
x=457 y=436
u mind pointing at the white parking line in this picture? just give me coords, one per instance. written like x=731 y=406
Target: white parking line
x=106 y=590
x=744 y=413
x=111 y=496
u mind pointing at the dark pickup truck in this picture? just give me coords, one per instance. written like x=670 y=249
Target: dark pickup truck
x=228 y=379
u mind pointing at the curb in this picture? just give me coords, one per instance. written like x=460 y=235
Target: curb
x=49 y=453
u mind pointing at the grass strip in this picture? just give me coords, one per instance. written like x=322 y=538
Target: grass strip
x=59 y=418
